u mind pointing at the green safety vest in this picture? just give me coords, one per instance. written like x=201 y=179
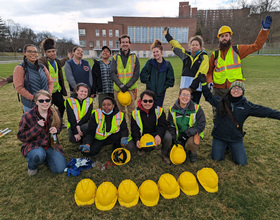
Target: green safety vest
x=125 y=74
x=54 y=75
x=100 y=133
x=192 y=120
x=228 y=69
x=78 y=112
x=136 y=116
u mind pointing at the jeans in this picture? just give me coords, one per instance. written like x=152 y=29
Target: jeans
x=55 y=160
x=237 y=150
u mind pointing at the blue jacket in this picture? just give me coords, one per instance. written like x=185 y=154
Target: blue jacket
x=224 y=128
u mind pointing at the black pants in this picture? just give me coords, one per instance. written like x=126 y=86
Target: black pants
x=58 y=100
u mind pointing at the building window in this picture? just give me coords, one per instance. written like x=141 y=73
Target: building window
x=117 y=44
x=97 y=44
x=110 y=33
x=104 y=43
x=82 y=43
x=97 y=32
x=117 y=33
x=91 y=44
x=110 y=43
x=82 y=32
x=103 y=33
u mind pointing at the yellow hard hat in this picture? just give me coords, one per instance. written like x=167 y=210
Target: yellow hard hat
x=128 y=194
x=178 y=154
x=85 y=192
x=188 y=184
x=168 y=186
x=120 y=156
x=147 y=140
x=124 y=98
x=149 y=193
x=224 y=29
x=208 y=178
x=106 y=196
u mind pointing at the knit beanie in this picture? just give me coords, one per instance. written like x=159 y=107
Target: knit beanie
x=238 y=84
x=48 y=43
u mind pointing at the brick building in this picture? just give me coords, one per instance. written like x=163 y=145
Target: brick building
x=142 y=31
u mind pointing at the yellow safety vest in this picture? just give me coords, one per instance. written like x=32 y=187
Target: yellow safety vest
x=100 y=133
x=125 y=74
x=192 y=120
x=54 y=75
x=228 y=69
x=136 y=116
x=78 y=112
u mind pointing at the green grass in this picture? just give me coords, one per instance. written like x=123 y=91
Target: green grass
x=249 y=192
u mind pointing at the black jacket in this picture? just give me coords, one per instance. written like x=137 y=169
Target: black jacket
x=96 y=76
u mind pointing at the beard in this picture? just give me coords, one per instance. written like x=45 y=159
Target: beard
x=224 y=45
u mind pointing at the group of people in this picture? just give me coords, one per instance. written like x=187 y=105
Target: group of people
x=40 y=83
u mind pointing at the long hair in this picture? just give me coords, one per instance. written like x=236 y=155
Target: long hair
x=222 y=111
x=24 y=57
x=56 y=122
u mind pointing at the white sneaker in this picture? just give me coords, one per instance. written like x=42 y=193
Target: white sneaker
x=32 y=172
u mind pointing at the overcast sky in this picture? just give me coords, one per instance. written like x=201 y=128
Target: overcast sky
x=61 y=17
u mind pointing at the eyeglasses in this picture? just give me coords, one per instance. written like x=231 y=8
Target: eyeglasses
x=44 y=100
x=32 y=51
x=236 y=88
x=185 y=95
x=150 y=100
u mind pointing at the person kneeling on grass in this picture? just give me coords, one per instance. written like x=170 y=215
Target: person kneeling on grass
x=38 y=129
x=232 y=111
x=79 y=108
x=106 y=126
x=149 y=119
x=186 y=123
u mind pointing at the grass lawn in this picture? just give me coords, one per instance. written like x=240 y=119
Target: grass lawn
x=249 y=192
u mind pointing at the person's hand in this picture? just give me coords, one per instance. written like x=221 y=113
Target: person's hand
x=138 y=144
x=166 y=30
x=124 y=141
x=210 y=85
x=183 y=136
x=3 y=81
x=195 y=84
x=85 y=148
x=266 y=24
x=41 y=122
x=69 y=55
x=79 y=130
x=77 y=137
x=157 y=140
x=53 y=130
x=123 y=88
x=201 y=78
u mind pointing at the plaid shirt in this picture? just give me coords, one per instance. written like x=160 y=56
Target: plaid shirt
x=107 y=82
x=32 y=134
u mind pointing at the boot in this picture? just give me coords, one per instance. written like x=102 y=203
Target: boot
x=166 y=159
x=193 y=157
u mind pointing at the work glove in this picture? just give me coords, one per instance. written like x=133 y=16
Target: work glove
x=166 y=34
x=124 y=141
x=195 y=84
x=174 y=142
x=266 y=24
x=210 y=85
x=183 y=136
x=201 y=78
x=123 y=88
x=85 y=148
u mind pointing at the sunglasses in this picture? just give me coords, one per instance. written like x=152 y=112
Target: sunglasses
x=44 y=100
x=150 y=100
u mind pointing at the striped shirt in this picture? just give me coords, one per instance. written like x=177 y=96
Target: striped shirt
x=107 y=82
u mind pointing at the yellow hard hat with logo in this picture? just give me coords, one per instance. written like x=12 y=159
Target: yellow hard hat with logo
x=188 y=184
x=128 y=193
x=120 y=156
x=208 y=178
x=106 y=196
x=168 y=186
x=147 y=140
x=124 y=98
x=85 y=192
x=178 y=154
x=149 y=193
x=224 y=29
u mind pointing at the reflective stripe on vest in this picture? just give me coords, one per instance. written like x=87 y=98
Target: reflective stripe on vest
x=136 y=116
x=125 y=74
x=100 y=133
x=192 y=120
x=54 y=75
x=228 y=69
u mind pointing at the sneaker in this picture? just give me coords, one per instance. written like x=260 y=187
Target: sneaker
x=140 y=152
x=192 y=156
x=166 y=159
x=32 y=172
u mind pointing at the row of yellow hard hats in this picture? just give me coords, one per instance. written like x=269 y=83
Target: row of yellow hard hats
x=106 y=195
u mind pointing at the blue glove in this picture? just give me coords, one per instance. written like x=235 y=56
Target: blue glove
x=124 y=141
x=266 y=24
x=85 y=148
x=210 y=85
